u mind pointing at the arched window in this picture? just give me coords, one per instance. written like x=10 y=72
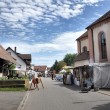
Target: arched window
x=102 y=44
x=84 y=49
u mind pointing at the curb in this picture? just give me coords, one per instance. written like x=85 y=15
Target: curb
x=23 y=102
x=103 y=93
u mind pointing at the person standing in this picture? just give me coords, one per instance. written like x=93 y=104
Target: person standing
x=53 y=74
x=71 y=78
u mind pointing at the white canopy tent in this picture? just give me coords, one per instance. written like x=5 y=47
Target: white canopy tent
x=63 y=71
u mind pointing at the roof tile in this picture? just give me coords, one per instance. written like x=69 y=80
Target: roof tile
x=5 y=55
x=82 y=56
x=40 y=68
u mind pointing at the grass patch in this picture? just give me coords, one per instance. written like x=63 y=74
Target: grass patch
x=14 y=89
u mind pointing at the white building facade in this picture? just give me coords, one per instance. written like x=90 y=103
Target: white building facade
x=20 y=64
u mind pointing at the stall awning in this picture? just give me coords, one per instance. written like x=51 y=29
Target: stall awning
x=81 y=63
x=6 y=56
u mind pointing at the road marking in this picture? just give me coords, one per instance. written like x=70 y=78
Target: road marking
x=23 y=102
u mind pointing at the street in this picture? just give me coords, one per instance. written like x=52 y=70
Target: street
x=56 y=96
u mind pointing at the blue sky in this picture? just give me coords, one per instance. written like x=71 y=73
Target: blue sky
x=47 y=28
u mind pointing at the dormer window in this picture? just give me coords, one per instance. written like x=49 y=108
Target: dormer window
x=84 y=49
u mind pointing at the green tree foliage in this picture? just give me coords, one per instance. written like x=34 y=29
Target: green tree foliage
x=69 y=59
x=11 y=67
x=57 y=66
x=61 y=64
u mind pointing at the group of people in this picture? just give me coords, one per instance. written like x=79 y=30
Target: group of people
x=71 y=78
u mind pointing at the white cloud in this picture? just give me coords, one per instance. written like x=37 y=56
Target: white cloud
x=48 y=20
x=23 y=14
x=67 y=41
x=68 y=2
x=91 y=1
x=43 y=1
x=48 y=60
x=63 y=43
x=16 y=10
x=3 y=5
x=98 y=15
x=24 y=9
x=5 y=10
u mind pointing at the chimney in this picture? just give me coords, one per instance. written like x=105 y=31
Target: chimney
x=15 y=49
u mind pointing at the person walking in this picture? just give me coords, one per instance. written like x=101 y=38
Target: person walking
x=53 y=74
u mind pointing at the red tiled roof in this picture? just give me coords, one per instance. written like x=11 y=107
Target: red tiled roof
x=40 y=68
x=82 y=36
x=5 y=55
x=102 y=18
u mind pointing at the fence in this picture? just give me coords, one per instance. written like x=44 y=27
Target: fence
x=12 y=83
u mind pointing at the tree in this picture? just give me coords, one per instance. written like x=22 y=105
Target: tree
x=69 y=59
x=61 y=64
x=12 y=66
x=57 y=66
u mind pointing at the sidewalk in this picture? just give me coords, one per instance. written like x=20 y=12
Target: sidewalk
x=104 y=91
x=10 y=100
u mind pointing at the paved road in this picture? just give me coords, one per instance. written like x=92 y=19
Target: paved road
x=10 y=100
x=56 y=96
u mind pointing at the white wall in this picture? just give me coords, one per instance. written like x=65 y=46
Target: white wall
x=1 y=75
x=84 y=43
x=106 y=29
x=81 y=63
x=18 y=60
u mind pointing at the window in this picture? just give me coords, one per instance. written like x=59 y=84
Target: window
x=84 y=49
x=102 y=44
x=9 y=53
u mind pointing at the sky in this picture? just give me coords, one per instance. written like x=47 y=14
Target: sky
x=47 y=29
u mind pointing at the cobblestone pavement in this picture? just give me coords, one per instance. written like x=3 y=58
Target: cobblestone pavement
x=10 y=100
x=56 y=96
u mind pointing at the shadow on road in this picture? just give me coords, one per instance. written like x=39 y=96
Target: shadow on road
x=90 y=101
x=102 y=107
x=71 y=87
